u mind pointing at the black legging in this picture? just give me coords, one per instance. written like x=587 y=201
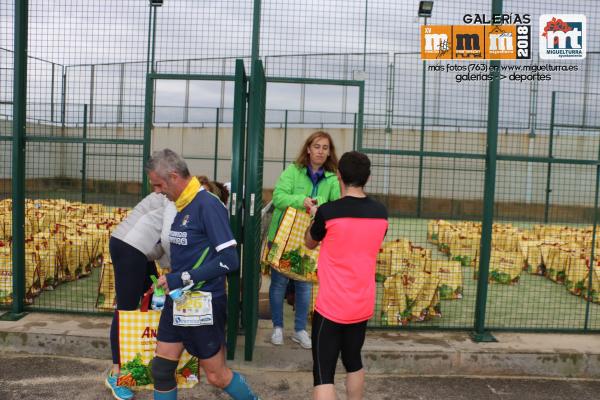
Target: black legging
x=329 y=339
x=132 y=280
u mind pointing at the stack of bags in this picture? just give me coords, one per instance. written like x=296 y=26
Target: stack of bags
x=106 y=299
x=451 y=278
x=560 y=253
x=565 y=254
x=410 y=287
x=63 y=242
x=461 y=240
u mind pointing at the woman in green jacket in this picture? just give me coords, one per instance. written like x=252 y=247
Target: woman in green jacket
x=310 y=180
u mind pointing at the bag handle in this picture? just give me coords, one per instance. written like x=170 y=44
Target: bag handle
x=282 y=218
x=146 y=299
x=288 y=209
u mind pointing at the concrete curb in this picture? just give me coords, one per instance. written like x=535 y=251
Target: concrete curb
x=394 y=353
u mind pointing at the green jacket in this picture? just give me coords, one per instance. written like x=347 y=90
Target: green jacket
x=293 y=186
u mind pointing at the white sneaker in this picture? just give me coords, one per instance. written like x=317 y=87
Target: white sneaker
x=277 y=336
x=302 y=338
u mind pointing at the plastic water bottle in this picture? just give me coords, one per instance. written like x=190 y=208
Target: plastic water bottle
x=178 y=295
x=158 y=297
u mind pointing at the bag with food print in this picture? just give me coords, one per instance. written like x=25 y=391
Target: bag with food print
x=426 y=304
x=137 y=343
x=107 y=296
x=451 y=278
x=577 y=273
x=6 y=273
x=288 y=254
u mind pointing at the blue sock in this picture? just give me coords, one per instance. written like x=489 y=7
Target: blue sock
x=170 y=395
x=238 y=389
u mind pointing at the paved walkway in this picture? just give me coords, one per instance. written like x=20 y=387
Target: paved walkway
x=58 y=378
x=408 y=353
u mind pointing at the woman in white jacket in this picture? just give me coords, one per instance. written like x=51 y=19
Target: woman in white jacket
x=134 y=246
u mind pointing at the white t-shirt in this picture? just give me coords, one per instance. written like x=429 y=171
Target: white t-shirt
x=143 y=226
x=168 y=217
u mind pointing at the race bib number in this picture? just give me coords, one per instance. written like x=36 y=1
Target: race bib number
x=195 y=310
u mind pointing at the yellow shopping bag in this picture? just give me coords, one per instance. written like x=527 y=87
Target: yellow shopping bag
x=137 y=342
x=106 y=298
x=287 y=254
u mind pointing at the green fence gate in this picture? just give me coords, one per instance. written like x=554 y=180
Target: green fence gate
x=237 y=186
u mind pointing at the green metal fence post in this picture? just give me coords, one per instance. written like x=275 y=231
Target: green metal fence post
x=18 y=160
x=593 y=244
x=216 y=146
x=253 y=189
x=549 y=170
x=84 y=154
x=354 y=132
x=149 y=96
x=360 y=117
x=149 y=49
x=52 y=93
x=92 y=79
x=236 y=200
x=389 y=120
x=147 y=130
x=253 y=205
x=285 y=132
x=255 y=33
x=63 y=100
x=365 y=36
x=480 y=334
x=421 y=140
x=153 y=47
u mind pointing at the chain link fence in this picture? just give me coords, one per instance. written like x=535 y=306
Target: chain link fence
x=425 y=130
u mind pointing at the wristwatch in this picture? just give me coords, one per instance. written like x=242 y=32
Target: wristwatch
x=186 y=278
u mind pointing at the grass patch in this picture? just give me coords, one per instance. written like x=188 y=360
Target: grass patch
x=535 y=302
x=78 y=295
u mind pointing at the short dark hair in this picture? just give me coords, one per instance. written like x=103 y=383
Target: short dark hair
x=355 y=168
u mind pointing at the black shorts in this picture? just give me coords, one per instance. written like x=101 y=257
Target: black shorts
x=328 y=340
x=200 y=341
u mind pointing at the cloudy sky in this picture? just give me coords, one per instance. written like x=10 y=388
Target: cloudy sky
x=77 y=33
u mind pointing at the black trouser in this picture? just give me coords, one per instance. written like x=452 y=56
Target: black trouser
x=329 y=339
x=132 y=280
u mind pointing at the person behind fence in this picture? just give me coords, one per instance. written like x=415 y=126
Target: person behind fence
x=215 y=187
x=203 y=252
x=310 y=180
x=134 y=245
x=351 y=231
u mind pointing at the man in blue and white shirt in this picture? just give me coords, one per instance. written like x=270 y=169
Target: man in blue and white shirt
x=202 y=253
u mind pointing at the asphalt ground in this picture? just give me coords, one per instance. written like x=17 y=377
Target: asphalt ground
x=28 y=377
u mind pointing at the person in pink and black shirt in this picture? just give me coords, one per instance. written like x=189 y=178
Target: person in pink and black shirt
x=351 y=231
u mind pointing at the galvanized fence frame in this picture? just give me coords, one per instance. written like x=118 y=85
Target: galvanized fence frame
x=19 y=138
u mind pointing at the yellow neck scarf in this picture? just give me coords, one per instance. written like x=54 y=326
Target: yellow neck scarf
x=188 y=194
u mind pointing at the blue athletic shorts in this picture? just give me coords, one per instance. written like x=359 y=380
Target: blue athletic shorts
x=200 y=341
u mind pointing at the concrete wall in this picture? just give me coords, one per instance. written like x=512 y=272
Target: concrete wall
x=446 y=178
x=523 y=182
x=50 y=160
x=197 y=146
